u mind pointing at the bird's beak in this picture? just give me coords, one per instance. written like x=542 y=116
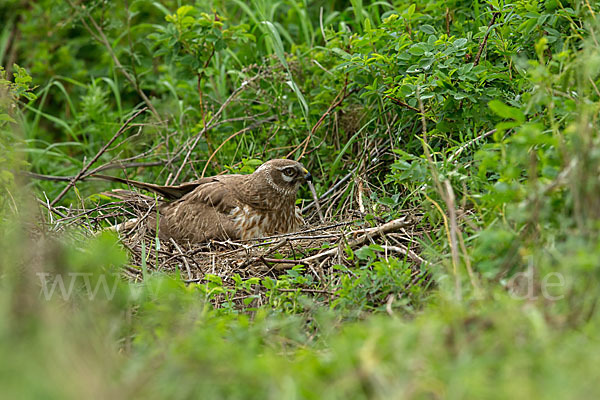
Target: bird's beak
x=307 y=175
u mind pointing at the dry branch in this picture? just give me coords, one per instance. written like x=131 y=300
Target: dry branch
x=391 y=226
x=96 y=157
x=101 y=37
x=485 y=38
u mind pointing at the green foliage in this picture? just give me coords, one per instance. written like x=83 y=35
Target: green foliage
x=480 y=118
x=381 y=284
x=10 y=93
x=192 y=38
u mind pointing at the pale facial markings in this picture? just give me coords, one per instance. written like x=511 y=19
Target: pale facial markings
x=287 y=178
x=279 y=189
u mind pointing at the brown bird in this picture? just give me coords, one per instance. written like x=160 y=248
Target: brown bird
x=229 y=206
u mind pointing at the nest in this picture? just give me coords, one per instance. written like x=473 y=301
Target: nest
x=318 y=249
x=315 y=247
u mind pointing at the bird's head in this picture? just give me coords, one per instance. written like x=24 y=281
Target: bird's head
x=285 y=176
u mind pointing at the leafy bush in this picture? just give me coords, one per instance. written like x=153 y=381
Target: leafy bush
x=479 y=118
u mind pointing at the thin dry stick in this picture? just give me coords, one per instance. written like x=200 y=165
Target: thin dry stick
x=105 y=167
x=436 y=180
x=434 y=173
x=316 y=200
x=208 y=126
x=185 y=262
x=450 y=201
x=391 y=226
x=333 y=189
x=361 y=205
x=231 y=137
x=244 y=247
x=281 y=260
x=307 y=290
x=219 y=148
x=295 y=234
x=404 y=251
x=96 y=157
x=388 y=305
x=470 y=142
x=485 y=38
x=472 y=277
x=51 y=209
x=200 y=76
x=360 y=188
x=401 y=103
x=455 y=233
x=374 y=155
x=341 y=96
x=101 y=37
x=120 y=164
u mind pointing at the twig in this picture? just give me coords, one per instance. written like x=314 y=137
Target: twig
x=207 y=126
x=361 y=205
x=282 y=261
x=485 y=38
x=313 y=192
x=368 y=233
x=249 y=128
x=244 y=247
x=123 y=163
x=51 y=209
x=373 y=156
x=200 y=76
x=454 y=232
x=401 y=103
x=187 y=266
x=307 y=290
x=438 y=185
x=404 y=251
x=93 y=160
x=341 y=96
x=470 y=142
x=295 y=234
x=101 y=37
x=333 y=189
x=388 y=304
x=105 y=167
x=305 y=261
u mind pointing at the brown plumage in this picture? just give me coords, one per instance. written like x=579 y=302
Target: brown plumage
x=229 y=206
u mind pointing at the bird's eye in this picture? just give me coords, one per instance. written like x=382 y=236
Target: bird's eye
x=289 y=172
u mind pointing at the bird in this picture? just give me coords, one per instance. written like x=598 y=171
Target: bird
x=234 y=207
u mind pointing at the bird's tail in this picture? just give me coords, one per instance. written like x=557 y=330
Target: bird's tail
x=130 y=197
x=169 y=192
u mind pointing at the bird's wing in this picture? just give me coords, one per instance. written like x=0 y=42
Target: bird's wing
x=218 y=192
x=204 y=213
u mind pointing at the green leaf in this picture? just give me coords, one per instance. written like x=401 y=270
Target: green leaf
x=365 y=252
x=428 y=29
x=214 y=279
x=459 y=43
x=506 y=111
x=416 y=50
x=6 y=117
